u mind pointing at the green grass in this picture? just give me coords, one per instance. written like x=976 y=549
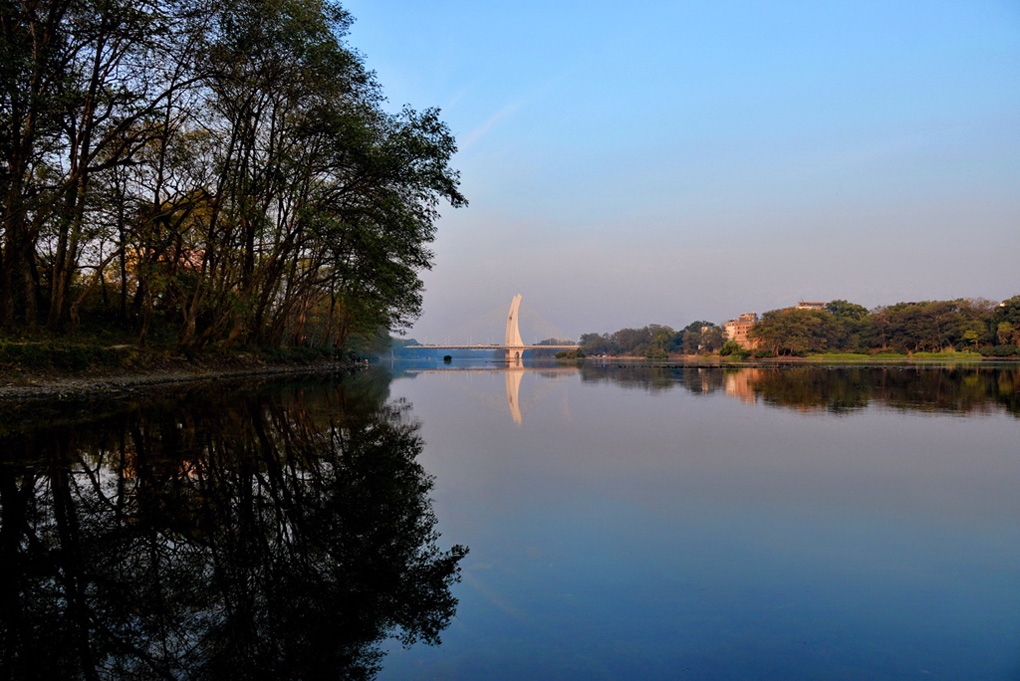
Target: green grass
x=62 y=357
x=854 y=357
x=943 y=356
x=54 y=355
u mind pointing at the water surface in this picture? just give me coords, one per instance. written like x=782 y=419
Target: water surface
x=278 y=531
x=660 y=523
x=605 y=521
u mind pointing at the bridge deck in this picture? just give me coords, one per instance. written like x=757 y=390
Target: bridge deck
x=492 y=347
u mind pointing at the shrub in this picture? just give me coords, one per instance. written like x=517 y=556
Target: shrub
x=1001 y=351
x=730 y=347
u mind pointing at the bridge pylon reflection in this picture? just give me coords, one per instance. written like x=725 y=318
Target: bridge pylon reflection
x=512 y=374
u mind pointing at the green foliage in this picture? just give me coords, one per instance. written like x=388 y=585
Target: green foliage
x=732 y=349
x=292 y=208
x=1004 y=322
x=1007 y=311
x=700 y=337
x=841 y=309
x=652 y=341
x=728 y=348
x=795 y=332
x=930 y=326
x=295 y=355
x=842 y=329
x=1001 y=351
x=595 y=344
x=57 y=355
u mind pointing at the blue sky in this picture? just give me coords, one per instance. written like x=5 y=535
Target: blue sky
x=663 y=162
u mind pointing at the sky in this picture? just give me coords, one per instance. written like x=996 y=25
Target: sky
x=666 y=162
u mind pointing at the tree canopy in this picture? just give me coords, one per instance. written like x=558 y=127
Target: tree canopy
x=224 y=171
x=842 y=326
x=928 y=326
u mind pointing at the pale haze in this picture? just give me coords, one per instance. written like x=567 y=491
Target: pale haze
x=664 y=162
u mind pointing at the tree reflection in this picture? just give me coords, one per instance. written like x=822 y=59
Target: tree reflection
x=936 y=389
x=834 y=389
x=241 y=535
x=655 y=378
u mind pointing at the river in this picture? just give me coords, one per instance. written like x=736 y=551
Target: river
x=612 y=521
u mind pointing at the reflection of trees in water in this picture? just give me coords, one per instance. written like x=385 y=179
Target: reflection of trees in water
x=838 y=390
x=243 y=535
x=936 y=389
x=835 y=389
x=655 y=378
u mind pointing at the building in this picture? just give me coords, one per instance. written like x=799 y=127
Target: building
x=736 y=329
x=810 y=306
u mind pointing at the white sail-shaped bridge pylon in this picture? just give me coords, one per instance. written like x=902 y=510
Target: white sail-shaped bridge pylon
x=513 y=345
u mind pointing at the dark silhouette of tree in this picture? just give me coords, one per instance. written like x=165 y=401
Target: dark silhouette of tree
x=223 y=172
x=279 y=535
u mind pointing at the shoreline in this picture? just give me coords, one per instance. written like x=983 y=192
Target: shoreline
x=819 y=360
x=22 y=387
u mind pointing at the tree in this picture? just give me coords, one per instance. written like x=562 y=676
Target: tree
x=595 y=343
x=233 y=161
x=662 y=342
x=1004 y=322
x=844 y=310
x=849 y=321
x=35 y=65
x=928 y=325
x=730 y=347
x=633 y=342
x=713 y=339
x=795 y=332
x=1005 y=333
x=690 y=337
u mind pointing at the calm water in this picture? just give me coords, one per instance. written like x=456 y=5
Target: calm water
x=621 y=523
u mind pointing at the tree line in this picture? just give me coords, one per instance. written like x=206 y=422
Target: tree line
x=656 y=341
x=906 y=327
x=218 y=173
x=930 y=326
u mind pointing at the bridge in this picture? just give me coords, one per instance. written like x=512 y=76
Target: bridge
x=514 y=345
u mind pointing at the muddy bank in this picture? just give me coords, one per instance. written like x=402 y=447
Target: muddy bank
x=18 y=386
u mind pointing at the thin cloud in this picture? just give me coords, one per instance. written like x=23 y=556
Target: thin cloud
x=508 y=111
x=490 y=123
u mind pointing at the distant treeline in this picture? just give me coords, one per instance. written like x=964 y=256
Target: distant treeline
x=655 y=341
x=992 y=329
x=209 y=173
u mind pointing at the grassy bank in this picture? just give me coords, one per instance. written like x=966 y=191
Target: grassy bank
x=944 y=356
x=947 y=356
x=48 y=357
x=43 y=368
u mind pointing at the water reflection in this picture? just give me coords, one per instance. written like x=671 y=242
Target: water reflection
x=664 y=522
x=833 y=389
x=512 y=373
x=234 y=534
